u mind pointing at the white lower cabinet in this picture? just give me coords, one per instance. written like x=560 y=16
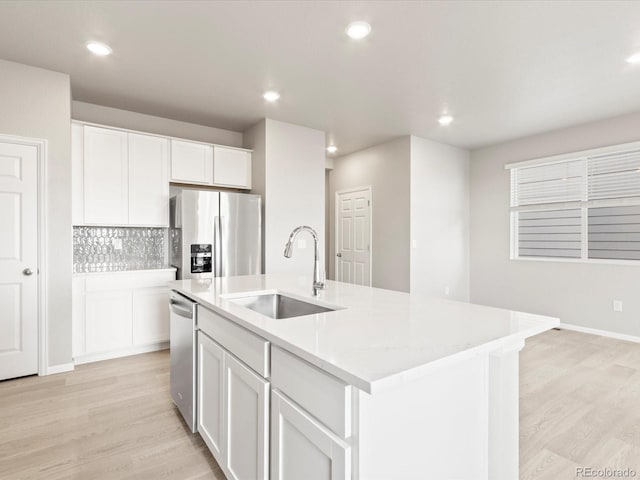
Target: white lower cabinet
x=210 y=395
x=301 y=447
x=247 y=422
x=233 y=412
x=151 y=324
x=108 y=320
x=119 y=313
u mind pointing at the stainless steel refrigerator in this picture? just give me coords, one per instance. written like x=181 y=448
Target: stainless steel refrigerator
x=215 y=234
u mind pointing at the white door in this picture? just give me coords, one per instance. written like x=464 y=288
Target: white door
x=105 y=177
x=148 y=180
x=353 y=236
x=191 y=162
x=247 y=422
x=18 y=257
x=211 y=395
x=301 y=447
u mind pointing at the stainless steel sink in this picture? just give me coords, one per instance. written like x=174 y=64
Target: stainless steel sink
x=279 y=306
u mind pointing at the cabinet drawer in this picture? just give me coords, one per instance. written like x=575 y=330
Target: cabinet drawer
x=248 y=347
x=324 y=396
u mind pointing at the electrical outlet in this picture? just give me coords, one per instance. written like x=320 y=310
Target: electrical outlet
x=617 y=305
x=447 y=291
x=117 y=244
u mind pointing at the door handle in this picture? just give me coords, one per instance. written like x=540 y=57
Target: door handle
x=338 y=255
x=27 y=272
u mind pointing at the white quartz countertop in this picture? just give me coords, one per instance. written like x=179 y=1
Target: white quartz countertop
x=379 y=338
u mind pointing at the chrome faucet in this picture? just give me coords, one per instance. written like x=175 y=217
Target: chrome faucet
x=318 y=284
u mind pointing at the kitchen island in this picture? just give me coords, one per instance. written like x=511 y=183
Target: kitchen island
x=383 y=385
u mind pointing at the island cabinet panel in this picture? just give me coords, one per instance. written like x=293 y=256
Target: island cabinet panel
x=211 y=395
x=233 y=411
x=324 y=396
x=247 y=422
x=191 y=162
x=247 y=346
x=301 y=447
x=106 y=192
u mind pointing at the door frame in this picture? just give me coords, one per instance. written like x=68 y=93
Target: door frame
x=43 y=331
x=335 y=227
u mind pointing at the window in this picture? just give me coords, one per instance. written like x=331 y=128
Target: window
x=584 y=206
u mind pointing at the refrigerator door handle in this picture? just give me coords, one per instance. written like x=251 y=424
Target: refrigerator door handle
x=218 y=246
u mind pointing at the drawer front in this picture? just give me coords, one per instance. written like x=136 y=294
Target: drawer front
x=324 y=396
x=247 y=346
x=128 y=280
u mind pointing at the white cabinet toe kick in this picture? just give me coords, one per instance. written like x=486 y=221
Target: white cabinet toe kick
x=265 y=413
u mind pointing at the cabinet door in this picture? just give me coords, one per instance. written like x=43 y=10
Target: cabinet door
x=150 y=315
x=107 y=320
x=191 y=162
x=247 y=422
x=77 y=174
x=77 y=316
x=148 y=180
x=231 y=167
x=301 y=447
x=210 y=395
x=105 y=176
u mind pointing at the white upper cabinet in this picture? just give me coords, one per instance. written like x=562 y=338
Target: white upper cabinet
x=105 y=165
x=191 y=162
x=148 y=180
x=119 y=178
x=231 y=167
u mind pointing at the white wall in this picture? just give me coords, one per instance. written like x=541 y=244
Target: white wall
x=36 y=103
x=115 y=117
x=294 y=179
x=288 y=171
x=386 y=168
x=578 y=293
x=255 y=139
x=439 y=220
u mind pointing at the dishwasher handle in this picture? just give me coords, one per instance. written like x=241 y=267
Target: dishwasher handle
x=182 y=309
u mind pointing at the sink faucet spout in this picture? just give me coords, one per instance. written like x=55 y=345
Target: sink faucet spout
x=318 y=284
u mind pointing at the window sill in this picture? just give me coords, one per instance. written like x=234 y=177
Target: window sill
x=592 y=261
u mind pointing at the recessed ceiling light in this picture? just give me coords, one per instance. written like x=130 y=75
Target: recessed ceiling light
x=99 y=49
x=445 y=120
x=358 y=30
x=332 y=149
x=635 y=58
x=271 y=96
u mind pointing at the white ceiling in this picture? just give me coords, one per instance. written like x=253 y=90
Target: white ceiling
x=503 y=69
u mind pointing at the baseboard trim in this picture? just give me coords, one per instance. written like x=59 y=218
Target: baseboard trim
x=123 y=352
x=602 y=333
x=54 y=369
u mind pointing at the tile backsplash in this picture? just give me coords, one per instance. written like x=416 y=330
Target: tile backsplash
x=113 y=249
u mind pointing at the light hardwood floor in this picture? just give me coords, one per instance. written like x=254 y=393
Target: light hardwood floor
x=580 y=406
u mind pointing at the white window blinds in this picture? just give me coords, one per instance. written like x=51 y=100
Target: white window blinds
x=540 y=184
x=614 y=175
x=584 y=206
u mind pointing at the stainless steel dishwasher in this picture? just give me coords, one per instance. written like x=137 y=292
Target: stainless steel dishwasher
x=183 y=361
